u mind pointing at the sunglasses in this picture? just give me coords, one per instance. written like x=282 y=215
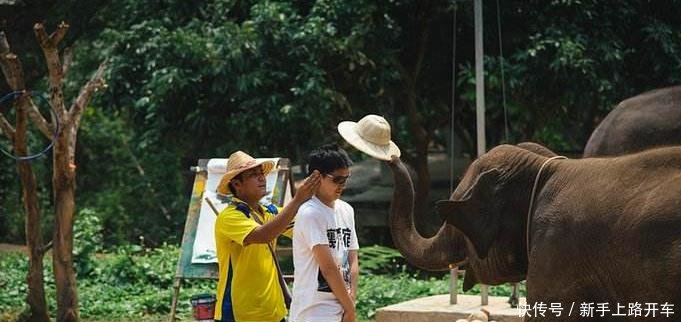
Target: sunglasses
x=339 y=180
x=256 y=172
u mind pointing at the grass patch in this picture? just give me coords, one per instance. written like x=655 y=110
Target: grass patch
x=133 y=283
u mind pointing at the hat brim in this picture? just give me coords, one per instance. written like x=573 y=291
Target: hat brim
x=348 y=130
x=223 y=186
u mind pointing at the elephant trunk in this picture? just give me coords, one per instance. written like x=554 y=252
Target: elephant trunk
x=434 y=253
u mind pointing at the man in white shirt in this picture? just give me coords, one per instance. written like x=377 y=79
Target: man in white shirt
x=325 y=245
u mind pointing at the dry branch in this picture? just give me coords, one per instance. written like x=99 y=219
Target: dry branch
x=11 y=67
x=4 y=45
x=49 y=45
x=59 y=34
x=10 y=64
x=6 y=128
x=95 y=83
x=34 y=114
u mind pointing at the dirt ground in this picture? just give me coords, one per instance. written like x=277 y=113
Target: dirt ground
x=8 y=248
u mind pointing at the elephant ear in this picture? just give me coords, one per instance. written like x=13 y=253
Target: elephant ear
x=476 y=215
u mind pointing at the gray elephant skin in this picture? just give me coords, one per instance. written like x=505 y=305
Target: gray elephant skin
x=602 y=230
x=448 y=246
x=629 y=126
x=647 y=120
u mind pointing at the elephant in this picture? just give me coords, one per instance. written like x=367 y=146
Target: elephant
x=594 y=230
x=448 y=246
x=647 y=120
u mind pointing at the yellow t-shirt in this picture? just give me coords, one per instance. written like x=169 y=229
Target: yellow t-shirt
x=248 y=287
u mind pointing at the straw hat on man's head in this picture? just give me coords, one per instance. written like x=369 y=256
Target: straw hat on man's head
x=370 y=135
x=237 y=163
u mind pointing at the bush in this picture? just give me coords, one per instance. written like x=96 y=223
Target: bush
x=87 y=240
x=133 y=283
x=12 y=281
x=128 y=284
x=380 y=260
x=376 y=291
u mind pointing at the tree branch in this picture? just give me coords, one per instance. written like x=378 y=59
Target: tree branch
x=43 y=39
x=95 y=83
x=10 y=64
x=11 y=67
x=52 y=40
x=37 y=118
x=47 y=247
x=4 y=45
x=7 y=128
x=54 y=68
x=58 y=35
x=68 y=59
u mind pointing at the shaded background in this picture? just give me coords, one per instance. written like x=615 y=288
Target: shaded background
x=201 y=79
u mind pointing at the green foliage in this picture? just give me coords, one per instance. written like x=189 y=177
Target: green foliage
x=194 y=80
x=14 y=267
x=12 y=280
x=185 y=82
x=133 y=282
x=130 y=283
x=269 y=67
x=386 y=279
x=134 y=264
x=87 y=240
x=376 y=291
x=380 y=260
x=134 y=182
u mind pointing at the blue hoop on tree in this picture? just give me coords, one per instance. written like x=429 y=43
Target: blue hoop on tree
x=13 y=96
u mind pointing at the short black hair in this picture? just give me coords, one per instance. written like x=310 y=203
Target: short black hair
x=327 y=158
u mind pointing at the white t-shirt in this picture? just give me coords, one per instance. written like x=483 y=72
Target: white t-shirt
x=318 y=224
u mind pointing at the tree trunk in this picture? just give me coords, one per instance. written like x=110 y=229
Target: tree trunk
x=13 y=72
x=34 y=241
x=64 y=184
x=63 y=172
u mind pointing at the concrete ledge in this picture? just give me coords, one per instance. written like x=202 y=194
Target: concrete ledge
x=437 y=309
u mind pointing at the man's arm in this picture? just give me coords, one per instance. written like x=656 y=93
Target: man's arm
x=272 y=229
x=332 y=275
x=353 y=258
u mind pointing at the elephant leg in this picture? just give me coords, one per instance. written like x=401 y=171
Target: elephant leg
x=513 y=299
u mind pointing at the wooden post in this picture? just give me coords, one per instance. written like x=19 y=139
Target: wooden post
x=453 y=283
x=176 y=293
x=479 y=79
x=484 y=294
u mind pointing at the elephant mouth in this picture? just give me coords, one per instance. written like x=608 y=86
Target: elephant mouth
x=498 y=267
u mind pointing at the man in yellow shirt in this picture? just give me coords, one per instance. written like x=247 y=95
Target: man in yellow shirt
x=248 y=286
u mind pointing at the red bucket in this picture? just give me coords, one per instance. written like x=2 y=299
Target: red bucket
x=203 y=306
